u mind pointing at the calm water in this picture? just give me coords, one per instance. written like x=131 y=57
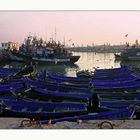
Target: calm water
x=86 y=61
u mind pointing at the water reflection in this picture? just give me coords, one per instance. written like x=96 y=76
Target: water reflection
x=97 y=60
x=86 y=61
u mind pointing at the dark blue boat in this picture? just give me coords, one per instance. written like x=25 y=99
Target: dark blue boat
x=56 y=87
x=117 y=104
x=45 y=95
x=66 y=78
x=11 y=86
x=120 y=114
x=127 y=85
x=40 y=110
x=8 y=70
x=120 y=96
x=115 y=80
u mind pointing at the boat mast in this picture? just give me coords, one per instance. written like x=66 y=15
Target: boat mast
x=55 y=34
x=64 y=41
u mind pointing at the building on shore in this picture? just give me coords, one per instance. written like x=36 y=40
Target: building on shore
x=9 y=45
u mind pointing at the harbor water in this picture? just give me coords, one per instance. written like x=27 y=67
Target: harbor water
x=87 y=61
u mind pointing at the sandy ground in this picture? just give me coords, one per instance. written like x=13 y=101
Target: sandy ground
x=15 y=123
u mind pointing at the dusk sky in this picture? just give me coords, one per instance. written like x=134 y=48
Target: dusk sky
x=83 y=27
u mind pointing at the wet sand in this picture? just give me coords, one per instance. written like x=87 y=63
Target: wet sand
x=15 y=123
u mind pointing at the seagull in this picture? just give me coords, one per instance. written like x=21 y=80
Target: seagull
x=126 y=35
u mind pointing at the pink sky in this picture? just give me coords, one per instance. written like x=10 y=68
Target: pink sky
x=83 y=27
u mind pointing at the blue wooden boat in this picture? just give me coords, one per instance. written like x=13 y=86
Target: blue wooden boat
x=65 y=83
x=120 y=96
x=8 y=70
x=56 y=87
x=115 y=76
x=118 y=77
x=115 y=80
x=11 y=73
x=40 y=110
x=128 y=85
x=3 y=75
x=47 y=95
x=94 y=81
x=120 y=114
x=5 y=72
x=10 y=86
x=117 y=104
x=66 y=78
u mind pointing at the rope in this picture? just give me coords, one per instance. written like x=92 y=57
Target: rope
x=101 y=125
x=29 y=123
x=109 y=123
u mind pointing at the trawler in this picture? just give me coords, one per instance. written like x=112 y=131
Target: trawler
x=131 y=53
x=42 y=51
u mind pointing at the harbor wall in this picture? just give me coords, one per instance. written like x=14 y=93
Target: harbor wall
x=99 y=49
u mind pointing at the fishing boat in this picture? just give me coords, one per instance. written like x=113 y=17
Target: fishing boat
x=121 y=96
x=11 y=86
x=66 y=78
x=118 y=104
x=117 y=86
x=120 y=114
x=104 y=72
x=41 y=51
x=11 y=73
x=55 y=87
x=14 y=55
x=40 y=110
x=132 y=53
x=41 y=94
x=8 y=70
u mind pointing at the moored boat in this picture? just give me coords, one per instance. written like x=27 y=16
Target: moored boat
x=120 y=114
x=41 y=51
x=132 y=53
x=40 y=110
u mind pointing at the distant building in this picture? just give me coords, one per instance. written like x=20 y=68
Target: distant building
x=9 y=45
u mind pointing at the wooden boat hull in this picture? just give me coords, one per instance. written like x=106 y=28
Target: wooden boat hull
x=65 y=60
x=66 y=78
x=121 y=114
x=18 y=57
x=56 y=87
x=47 y=95
x=118 y=104
x=23 y=58
x=11 y=86
x=40 y=110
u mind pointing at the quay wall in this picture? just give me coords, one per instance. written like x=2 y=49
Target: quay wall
x=98 y=49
